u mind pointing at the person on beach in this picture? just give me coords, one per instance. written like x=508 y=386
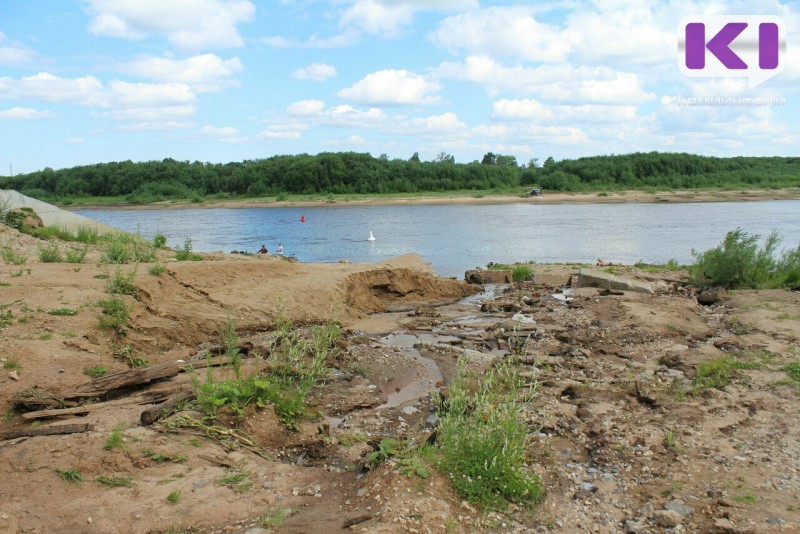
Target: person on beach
x=263 y=250
x=280 y=248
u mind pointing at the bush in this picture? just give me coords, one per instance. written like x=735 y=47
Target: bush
x=185 y=253
x=122 y=284
x=159 y=241
x=50 y=253
x=9 y=256
x=482 y=440
x=114 y=315
x=738 y=262
x=76 y=255
x=520 y=273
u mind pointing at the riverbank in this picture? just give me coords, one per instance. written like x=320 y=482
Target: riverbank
x=479 y=198
x=642 y=409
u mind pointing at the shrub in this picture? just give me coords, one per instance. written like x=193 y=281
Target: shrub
x=96 y=371
x=159 y=241
x=76 y=255
x=69 y=475
x=9 y=256
x=185 y=253
x=50 y=253
x=121 y=284
x=520 y=273
x=738 y=262
x=482 y=440
x=116 y=251
x=157 y=268
x=114 y=315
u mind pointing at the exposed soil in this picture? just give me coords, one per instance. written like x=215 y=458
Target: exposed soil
x=621 y=436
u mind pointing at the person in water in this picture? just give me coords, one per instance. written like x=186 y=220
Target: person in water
x=263 y=250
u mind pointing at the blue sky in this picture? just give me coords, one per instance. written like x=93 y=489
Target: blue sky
x=93 y=81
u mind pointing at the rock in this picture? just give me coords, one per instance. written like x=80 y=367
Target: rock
x=724 y=526
x=409 y=410
x=667 y=518
x=552 y=280
x=524 y=319
x=647 y=510
x=23 y=219
x=589 y=278
x=13 y=375
x=678 y=506
x=257 y=531
x=488 y=276
x=707 y=297
x=635 y=527
x=775 y=521
x=432 y=421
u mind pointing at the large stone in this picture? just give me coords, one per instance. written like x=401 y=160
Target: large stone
x=678 y=506
x=707 y=297
x=488 y=276
x=599 y=279
x=667 y=518
x=552 y=280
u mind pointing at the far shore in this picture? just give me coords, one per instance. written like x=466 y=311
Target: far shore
x=460 y=198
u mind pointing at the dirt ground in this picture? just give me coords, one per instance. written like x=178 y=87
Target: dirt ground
x=622 y=434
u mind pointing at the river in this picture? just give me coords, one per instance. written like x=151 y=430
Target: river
x=455 y=237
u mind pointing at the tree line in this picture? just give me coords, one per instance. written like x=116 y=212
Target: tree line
x=361 y=173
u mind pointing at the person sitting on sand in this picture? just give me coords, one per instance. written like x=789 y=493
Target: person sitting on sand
x=602 y=263
x=263 y=250
x=280 y=248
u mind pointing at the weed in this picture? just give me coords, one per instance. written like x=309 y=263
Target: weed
x=748 y=497
x=793 y=370
x=9 y=256
x=114 y=315
x=157 y=268
x=347 y=439
x=174 y=496
x=482 y=440
x=160 y=457
x=121 y=284
x=115 y=482
x=69 y=475
x=720 y=371
x=6 y=318
x=185 y=253
x=14 y=274
x=236 y=479
x=115 y=440
x=76 y=255
x=273 y=518
x=159 y=240
x=5 y=284
x=194 y=442
x=46 y=336
x=94 y=372
x=520 y=273
x=12 y=364
x=63 y=311
x=50 y=253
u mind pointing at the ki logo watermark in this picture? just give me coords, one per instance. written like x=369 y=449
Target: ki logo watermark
x=722 y=46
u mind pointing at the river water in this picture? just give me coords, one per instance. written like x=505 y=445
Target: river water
x=454 y=238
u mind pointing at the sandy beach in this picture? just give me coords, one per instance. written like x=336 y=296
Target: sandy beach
x=548 y=198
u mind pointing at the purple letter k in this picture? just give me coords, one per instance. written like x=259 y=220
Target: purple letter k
x=718 y=45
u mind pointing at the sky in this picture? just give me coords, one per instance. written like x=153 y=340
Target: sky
x=93 y=81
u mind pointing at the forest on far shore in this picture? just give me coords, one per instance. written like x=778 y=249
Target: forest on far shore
x=361 y=173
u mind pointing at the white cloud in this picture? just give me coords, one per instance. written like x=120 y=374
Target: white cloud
x=348 y=116
x=15 y=54
x=204 y=73
x=317 y=72
x=274 y=134
x=17 y=113
x=150 y=114
x=305 y=107
x=214 y=131
x=387 y=18
x=564 y=83
x=131 y=95
x=187 y=24
x=392 y=87
x=75 y=140
x=446 y=122
x=525 y=109
x=503 y=32
x=155 y=126
x=51 y=88
x=378 y=18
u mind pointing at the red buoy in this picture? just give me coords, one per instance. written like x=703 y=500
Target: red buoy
x=302 y=218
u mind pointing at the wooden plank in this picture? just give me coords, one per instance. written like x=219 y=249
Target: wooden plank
x=51 y=430
x=87 y=408
x=154 y=413
x=102 y=385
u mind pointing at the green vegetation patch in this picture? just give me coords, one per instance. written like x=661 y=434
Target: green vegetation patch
x=63 y=311
x=482 y=441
